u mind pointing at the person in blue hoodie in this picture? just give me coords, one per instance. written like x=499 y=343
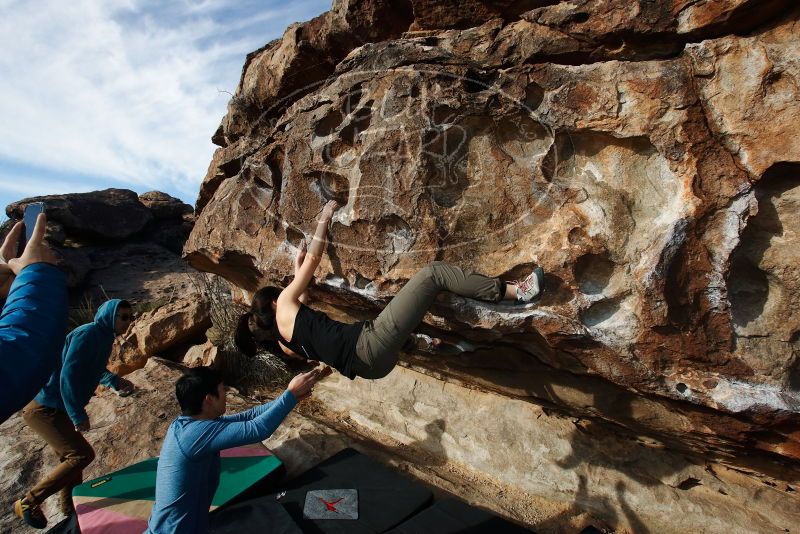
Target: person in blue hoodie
x=58 y=412
x=34 y=317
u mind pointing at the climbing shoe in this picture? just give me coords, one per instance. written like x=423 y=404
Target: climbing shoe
x=31 y=514
x=531 y=288
x=422 y=343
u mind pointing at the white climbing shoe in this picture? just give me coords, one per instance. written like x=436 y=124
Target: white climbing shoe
x=531 y=287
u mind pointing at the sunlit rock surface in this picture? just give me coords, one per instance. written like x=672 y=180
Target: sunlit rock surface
x=547 y=469
x=644 y=153
x=160 y=332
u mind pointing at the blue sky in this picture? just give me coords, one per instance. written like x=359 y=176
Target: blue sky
x=122 y=93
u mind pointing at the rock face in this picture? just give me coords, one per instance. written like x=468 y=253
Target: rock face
x=107 y=215
x=642 y=152
x=546 y=469
x=198 y=355
x=163 y=206
x=156 y=332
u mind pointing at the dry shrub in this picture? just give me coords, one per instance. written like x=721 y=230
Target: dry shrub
x=264 y=370
x=224 y=311
x=83 y=313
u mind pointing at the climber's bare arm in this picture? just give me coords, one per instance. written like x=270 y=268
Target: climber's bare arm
x=289 y=300
x=320 y=240
x=298 y=262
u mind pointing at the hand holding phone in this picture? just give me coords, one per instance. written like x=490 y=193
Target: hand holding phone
x=29 y=217
x=36 y=250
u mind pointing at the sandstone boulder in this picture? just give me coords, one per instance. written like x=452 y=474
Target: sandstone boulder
x=433 y=15
x=642 y=153
x=199 y=355
x=140 y=272
x=116 y=239
x=276 y=75
x=164 y=206
x=553 y=472
x=111 y=214
x=157 y=332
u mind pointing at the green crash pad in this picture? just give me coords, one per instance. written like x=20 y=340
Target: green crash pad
x=120 y=502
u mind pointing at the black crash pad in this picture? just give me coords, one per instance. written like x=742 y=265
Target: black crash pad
x=385 y=497
x=451 y=516
x=66 y=526
x=255 y=515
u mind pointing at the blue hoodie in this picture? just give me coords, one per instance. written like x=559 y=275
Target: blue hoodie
x=32 y=328
x=83 y=365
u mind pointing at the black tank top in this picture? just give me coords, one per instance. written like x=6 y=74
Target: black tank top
x=318 y=337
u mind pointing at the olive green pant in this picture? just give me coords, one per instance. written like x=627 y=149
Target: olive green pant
x=382 y=339
x=74 y=452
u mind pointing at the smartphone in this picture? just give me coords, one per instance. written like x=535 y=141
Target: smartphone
x=32 y=212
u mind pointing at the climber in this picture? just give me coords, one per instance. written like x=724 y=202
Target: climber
x=189 y=463
x=58 y=413
x=34 y=316
x=366 y=349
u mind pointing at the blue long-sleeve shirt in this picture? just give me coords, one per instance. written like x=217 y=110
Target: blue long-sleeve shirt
x=32 y=328
x=188 y=467
x=83 y=365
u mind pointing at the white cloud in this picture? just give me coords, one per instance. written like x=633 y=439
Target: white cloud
x=126 y=89
x=26 y=185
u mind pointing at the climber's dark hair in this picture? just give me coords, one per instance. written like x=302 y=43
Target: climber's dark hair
x=261 y=311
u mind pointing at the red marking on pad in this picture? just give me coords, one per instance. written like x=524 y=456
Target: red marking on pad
x=330 y=505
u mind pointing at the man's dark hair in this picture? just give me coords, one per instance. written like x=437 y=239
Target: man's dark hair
x=193 y=387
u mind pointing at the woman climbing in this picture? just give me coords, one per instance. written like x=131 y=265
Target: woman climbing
x=279 y=320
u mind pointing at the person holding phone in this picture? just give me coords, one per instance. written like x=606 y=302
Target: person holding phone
x=58 y=413
x=33 y=321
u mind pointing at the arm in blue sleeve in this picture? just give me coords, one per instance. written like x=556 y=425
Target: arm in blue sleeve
x=222 y=435
x=32 y=328
x=248 y=414
x=108 y=379
x=76 y=385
